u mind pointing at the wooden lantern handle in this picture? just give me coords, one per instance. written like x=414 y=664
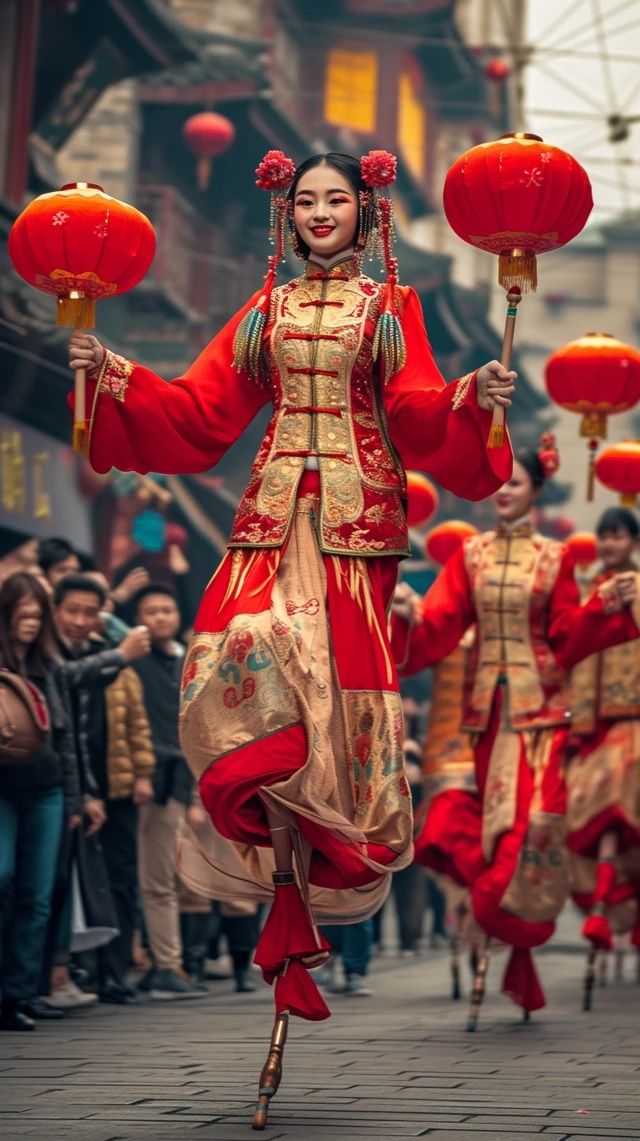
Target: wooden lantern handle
x=514 y=297
x=80 y=411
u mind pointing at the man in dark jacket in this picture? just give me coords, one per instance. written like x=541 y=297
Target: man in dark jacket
x=88 y=669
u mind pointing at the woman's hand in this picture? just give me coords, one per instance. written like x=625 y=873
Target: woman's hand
x=405 y=602
x=626 y=587
x=494 y=385
x=85 y=351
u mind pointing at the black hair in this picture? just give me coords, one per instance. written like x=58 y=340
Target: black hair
x=40 y=653
x=618 y=518
x=532 y=464
x=346 y=165
x=78 y=582
x=151 y=588
x=52 y=551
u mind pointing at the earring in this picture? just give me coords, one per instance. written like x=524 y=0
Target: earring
x=292 y=233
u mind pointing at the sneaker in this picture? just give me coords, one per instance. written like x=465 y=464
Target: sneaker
x=69 y=996
x=168 y=985
x=145 y=984
x=357 y=985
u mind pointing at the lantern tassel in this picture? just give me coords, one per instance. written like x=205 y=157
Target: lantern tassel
x=628 y=499
x=204 y=172
x=518 y=268
x=76 y=312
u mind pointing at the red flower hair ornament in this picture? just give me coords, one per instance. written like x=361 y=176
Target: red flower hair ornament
x=548 y=454
x=379 y=169
x=276 y=171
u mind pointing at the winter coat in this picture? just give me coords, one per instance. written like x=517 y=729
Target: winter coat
x=130 y=752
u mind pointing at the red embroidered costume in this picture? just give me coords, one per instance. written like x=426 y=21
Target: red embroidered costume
x=520 y=591
x=290 y=694
x=603 y=785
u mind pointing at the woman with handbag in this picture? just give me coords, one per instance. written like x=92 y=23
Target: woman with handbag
x=39 y=791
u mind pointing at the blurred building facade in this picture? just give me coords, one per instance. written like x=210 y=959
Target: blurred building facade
x=103 y=95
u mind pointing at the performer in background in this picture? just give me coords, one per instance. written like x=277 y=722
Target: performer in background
x=450 y=811
x=603 y=781
x=519 y=589
x=291 y=716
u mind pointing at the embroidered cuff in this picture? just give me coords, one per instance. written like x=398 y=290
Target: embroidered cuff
x=114 y=374
x=462 y=390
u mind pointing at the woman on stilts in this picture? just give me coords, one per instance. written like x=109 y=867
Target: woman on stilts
x=291 y=716
x=519 y=590
x=603 y=777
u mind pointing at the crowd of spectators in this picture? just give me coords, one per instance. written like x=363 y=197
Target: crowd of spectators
x=91 y=905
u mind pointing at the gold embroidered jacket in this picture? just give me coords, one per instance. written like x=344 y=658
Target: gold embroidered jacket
x=606 y=686
x=520 y=590
x=329 y=403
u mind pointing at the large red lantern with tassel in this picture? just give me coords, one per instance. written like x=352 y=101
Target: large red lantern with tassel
x=618 y=468
x=81 y=245
x=516 y=197
x=595 y=376
x=445 y=540
x=422 y=499
x=582 y=548
x=209 y=135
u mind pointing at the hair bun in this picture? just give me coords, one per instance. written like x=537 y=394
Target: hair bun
x=548 y=454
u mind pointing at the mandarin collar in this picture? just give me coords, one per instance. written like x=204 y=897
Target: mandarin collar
x=520 y=528
x=342 y=265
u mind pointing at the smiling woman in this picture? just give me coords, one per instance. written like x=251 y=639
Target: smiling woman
x=291 y=716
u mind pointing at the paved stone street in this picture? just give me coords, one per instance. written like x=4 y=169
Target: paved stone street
x=396 y=1065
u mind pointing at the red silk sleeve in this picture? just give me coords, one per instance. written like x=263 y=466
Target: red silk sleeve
x=139 y=422
x=576 y=632
x=440 y=428
x=446 y=611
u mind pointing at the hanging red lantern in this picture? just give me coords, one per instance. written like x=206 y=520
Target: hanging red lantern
x=595 y=376
x=209 y=135
x=618 y=467
x=81 y=245
x=497 y=70
x=443 y=541
x=422 y=499
x=516 y=197
x=583 y=548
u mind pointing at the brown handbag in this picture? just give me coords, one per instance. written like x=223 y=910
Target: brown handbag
x=24 y=719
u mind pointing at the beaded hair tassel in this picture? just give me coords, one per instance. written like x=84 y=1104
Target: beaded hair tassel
x=379 y=171
x=275 y=174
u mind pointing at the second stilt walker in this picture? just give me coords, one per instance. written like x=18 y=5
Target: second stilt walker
x=518 y=589
x=291 y=715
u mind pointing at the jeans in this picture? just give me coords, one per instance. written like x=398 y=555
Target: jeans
x=30 y=832
x=352 y=941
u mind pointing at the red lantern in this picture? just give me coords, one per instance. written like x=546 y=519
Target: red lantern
x=422 y=499
x=497 y=70
x=209 y=135
x=618 y=467
x=80 y=245
x=444 y=540
x=582 y=547
x=516 y=197
x=595 y=376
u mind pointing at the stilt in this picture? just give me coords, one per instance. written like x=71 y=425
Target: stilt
x=271 y=1071
x=526 y=1016
x=479 y=982
x=589 y=979
x=602 y=969
x=638 y=965
x=456 y=993
x=619 y=964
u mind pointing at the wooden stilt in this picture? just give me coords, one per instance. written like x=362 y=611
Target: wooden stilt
x=455 y=966
x=619 y=964
x=602 y=969
x=589 y=979
x=271 y=1071
x=479 y=983
x=526 y=1016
